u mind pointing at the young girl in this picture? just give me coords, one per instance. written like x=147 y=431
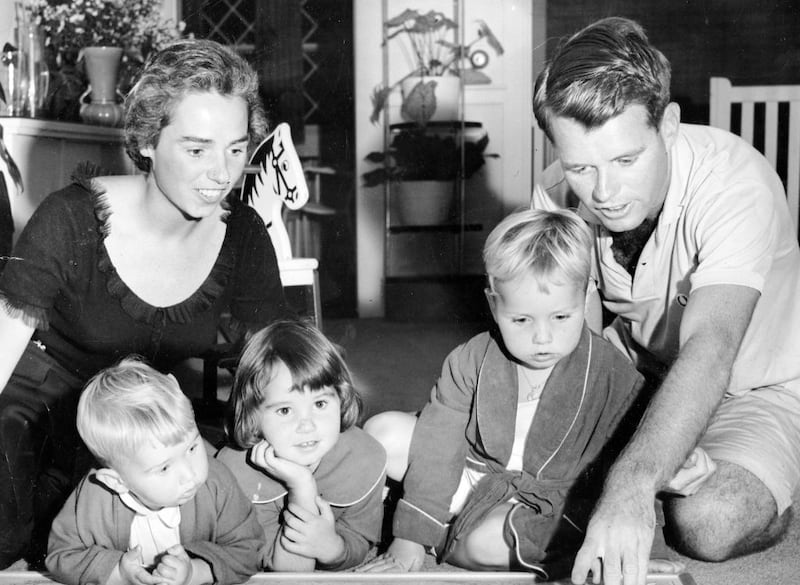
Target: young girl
x=315 y=478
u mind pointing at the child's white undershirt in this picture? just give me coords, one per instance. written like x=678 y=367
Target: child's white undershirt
x=154 y=531
x=530 y=386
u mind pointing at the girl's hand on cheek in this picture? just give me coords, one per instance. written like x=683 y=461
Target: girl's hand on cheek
x=292 y=474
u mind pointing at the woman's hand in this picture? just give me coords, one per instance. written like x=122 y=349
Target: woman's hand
x=312 y=534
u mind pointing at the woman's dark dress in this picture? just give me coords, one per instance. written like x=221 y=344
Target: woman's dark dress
x=61 y=281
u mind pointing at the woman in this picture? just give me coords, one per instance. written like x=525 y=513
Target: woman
x=143 y=264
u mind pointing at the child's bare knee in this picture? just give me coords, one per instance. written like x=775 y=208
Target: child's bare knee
x=393 y=430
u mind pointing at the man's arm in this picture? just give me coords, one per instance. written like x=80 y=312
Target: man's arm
x=622 y=527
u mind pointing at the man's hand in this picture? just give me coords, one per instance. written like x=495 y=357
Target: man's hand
x=131 y=570
x=693 y=474
x=618 y=540
x=402 y=556
x=312 y=534
x=174 y=568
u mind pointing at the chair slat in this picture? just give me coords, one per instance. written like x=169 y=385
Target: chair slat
x=723 y=94
x=771 y=133
x=748 y=109
x=793 y=163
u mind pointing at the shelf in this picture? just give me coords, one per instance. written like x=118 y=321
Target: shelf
x=452 y=125
x=452 y=228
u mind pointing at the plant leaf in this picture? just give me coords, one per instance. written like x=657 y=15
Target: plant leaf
x=379 y=96
x=474 y=77
x=420 y=103
x=485 y=32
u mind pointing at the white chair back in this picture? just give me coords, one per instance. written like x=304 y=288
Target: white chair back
x=781 y=126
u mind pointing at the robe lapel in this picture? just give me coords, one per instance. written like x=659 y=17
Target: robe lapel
x=496 y=404
x=561 y=402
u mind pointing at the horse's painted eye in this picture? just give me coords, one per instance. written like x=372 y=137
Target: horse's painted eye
x=285 y=165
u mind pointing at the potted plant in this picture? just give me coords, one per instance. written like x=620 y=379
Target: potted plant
x=438 y=66
x=422 y=164
x=74 y=30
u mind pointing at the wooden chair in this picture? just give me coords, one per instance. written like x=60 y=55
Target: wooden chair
x=780 y=126
x=274 y=180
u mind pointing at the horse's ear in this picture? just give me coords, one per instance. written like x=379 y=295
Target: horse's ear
x=262 y=156
x=295 y=179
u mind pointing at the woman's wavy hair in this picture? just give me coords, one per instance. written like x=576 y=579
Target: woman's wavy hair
x=311 y=358
x=183 y=67
x=598 y=72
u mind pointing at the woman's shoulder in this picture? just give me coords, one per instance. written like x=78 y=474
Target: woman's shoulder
x=241 y=214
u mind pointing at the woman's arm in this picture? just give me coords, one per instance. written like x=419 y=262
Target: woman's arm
x=14 y=337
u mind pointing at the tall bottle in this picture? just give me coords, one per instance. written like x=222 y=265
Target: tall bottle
x=28 y=75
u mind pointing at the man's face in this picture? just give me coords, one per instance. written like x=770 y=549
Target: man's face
x=620 y=170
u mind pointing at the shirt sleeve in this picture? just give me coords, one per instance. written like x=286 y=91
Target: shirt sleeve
x=81 y=549
x=734 y=235
x=232 y=552
x=360 y=527
x=39 y=265
x=438 y=451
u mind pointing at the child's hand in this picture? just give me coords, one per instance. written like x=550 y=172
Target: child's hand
x=402 y=556
x=312 y=534
x=131 y=569
x=697 y=468
x=292 y=474
x=174 y=568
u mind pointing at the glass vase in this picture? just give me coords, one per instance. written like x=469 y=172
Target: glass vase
x=102 y=70
x=27 y=74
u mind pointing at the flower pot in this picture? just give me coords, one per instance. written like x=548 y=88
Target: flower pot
x=431 y=99
x=422 y=202
x=102 y=67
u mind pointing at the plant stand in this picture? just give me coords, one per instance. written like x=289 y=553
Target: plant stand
x=423 y=202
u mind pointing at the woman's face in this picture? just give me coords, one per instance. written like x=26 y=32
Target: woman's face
x=201 y=153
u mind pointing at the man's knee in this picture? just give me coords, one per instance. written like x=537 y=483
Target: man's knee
x=732 y=515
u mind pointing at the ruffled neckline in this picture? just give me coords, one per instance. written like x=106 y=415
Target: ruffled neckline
x=183 y=312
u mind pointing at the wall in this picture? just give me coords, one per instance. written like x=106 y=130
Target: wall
x=748 y=41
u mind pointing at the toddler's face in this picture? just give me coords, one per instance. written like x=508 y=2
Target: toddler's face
x=301 y=425
x=538 y=327
x=160 y=476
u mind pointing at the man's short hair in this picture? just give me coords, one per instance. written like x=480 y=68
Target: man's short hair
x=598 y=72
x=131 y=404
x=553 y=246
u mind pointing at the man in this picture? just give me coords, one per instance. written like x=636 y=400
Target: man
x=697 y=261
